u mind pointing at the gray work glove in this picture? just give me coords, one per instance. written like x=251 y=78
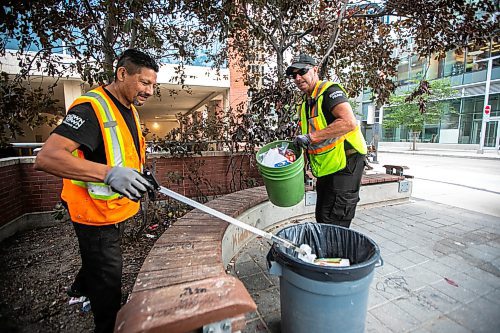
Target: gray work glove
x=128 y=182
x=302 y=141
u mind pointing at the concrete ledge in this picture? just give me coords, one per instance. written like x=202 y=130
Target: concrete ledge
x=26 y=222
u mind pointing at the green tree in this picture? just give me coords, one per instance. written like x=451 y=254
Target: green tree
x=433 y=101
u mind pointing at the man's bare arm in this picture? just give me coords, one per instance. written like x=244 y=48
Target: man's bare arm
x=344 y=123
x=55 y=158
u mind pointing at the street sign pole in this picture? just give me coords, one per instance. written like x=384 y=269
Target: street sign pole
x=486 y=101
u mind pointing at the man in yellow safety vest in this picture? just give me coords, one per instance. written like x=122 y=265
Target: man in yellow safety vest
x=333 y=142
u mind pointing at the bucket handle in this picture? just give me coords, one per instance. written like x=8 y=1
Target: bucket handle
x=380 y=262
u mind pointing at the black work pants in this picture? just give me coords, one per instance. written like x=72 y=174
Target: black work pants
x=338 y=193
x=100 y=275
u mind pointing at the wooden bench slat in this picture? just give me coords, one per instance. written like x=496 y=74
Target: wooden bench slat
x=183 y=259
x=166 y=277
x=185 y=307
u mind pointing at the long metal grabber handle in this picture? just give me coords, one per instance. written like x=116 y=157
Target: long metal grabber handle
x=286 y=243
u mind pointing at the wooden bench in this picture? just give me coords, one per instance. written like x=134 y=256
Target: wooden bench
x=183 y=286
x=397 y=170
x=378 y=178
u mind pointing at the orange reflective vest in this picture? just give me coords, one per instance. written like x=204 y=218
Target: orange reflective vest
x=94 y=203
x=327 y=156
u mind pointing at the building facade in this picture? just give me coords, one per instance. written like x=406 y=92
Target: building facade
x=467 y=72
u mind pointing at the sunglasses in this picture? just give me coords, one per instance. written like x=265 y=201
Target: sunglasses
x=301 y=72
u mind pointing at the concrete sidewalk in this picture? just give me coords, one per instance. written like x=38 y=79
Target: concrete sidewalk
x=441 y=271
x=447 y=150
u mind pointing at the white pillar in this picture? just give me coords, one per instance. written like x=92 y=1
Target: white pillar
x=72 y=90
x=486 y=101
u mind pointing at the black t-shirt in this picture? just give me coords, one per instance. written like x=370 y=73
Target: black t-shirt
x=331 y=98
x=81 y=125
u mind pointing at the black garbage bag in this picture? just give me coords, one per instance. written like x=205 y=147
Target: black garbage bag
x=327 y=241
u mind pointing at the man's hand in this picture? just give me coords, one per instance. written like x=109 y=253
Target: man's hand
x=128 y=182
x=302 y=141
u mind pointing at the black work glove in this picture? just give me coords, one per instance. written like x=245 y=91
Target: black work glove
x=128 y=182
x=302 y=141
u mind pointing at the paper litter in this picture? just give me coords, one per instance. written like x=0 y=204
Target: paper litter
x=309 y=257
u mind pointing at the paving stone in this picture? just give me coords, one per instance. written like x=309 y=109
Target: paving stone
x=385 y=269
x=455 y=263
x=459 y=293
x=483 y=252
x=392 y=286
x=256 y=282
x=419 y=330
x=267 y=301
x=398 y=261
x=373 y=325
x=436 y=299
x=494 y=296
x=418 y=306
x=375 y=299
x=425 y=251
x=273 y=321
x=246 y=268
x=438 y=267
x=445 y=324
x=249 y=316
x=472 y=284
x=414 y=256
x=418 y=277
x=481 y=315
x=395 y=318
x=242 y=256
x=255 y=326
x=481 y=275
x=392 y=246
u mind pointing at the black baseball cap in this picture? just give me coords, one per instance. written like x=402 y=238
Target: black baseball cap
x=301 y=61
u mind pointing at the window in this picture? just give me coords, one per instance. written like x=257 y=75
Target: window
x=403 y=71
x=454 y=63
x=417 y=68
x=473 y=55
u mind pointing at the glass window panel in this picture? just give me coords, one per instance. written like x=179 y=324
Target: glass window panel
x=475 y=53
x=495 y=51
x=416 y=68
x=454 y=63
x=403 y=71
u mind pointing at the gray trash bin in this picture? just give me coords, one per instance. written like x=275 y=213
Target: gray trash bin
x=323 y=299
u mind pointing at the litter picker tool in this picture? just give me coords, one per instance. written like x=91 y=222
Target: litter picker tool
x=163 y=190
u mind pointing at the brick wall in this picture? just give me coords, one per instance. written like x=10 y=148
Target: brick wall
x=25 y=190
x=11 y=204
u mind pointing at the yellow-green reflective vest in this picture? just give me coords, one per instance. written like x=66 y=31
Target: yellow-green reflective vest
x=327 y=156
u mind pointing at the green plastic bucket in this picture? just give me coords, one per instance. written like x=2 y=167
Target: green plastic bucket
x=284 y=185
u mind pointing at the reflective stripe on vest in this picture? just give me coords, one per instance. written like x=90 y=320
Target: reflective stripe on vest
x=111 y=132
x=99 y=191
x=328 y=156
x=315 y=120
